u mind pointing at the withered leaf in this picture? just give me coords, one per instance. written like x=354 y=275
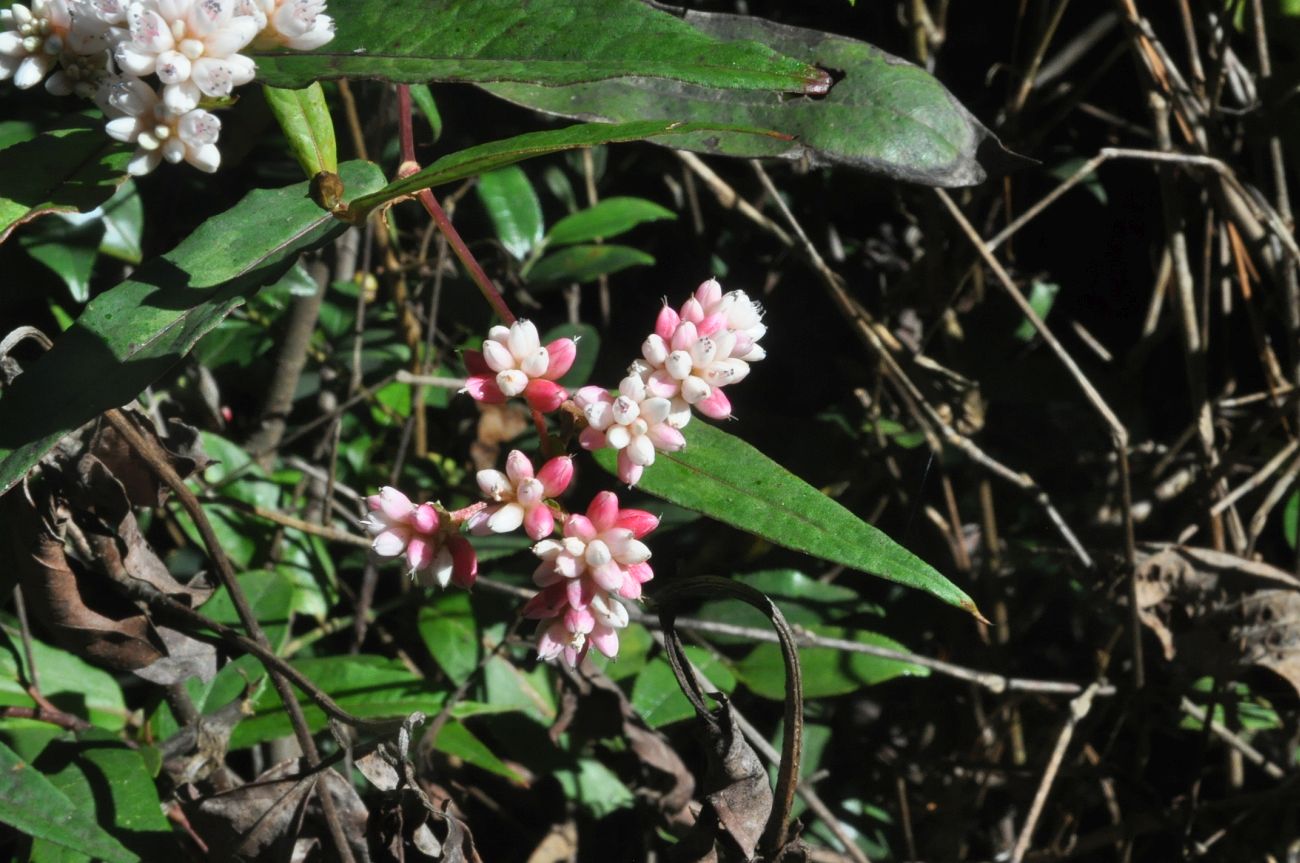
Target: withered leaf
x=267 y=818
x=1220 y=613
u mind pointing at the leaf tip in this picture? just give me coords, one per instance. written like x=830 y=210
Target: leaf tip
x=817 y=82
x=969 y=605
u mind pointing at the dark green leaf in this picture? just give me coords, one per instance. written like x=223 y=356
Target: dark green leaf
x=68 y=682
x=826 y=671
x=450 y=633
x=422 y=96
x=366 y=686
x=69 y=251
x=304 y=118
x=270 y=595
x=129 y=336
x=510 y=687
x=513 y=206
x=1042 y=295
x=455 y=739
x=609 y=218
x=586 y=263
x=497 y=154
x=70 y=167
x=885 y=115
x=101 y=775
x=596 y=787
x=657 y=696
x=727 y=479
x=33 y=805
x=1291 y=518
x=123 y=224
x=542 y=42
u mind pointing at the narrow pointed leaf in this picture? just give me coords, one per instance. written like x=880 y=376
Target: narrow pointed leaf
x=513 y=206
x=605 y=220
x=304 y=118
x=587 y=263
x=542 y=41
x=130 y=335
x=70 y=166
x=727 y=479
x=497 y=154
x=885 y=115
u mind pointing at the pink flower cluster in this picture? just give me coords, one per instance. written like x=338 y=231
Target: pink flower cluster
x=600 y=559
x=435 y=553
x=514 y=363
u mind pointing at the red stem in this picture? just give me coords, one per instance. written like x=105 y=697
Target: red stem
x=463 y=254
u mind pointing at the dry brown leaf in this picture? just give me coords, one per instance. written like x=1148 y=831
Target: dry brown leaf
x=1220 y=613
x=270 y=817
x=497 y=424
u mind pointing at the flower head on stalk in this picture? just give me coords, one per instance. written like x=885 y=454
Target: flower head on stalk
x=191 y=45
x=513 y=362
x=519 y=496
x=635 y=422
x=695 y=352
x=157 y=132
x=34 y=37
x=435 y=553
x=298 y=24
x=582 y=576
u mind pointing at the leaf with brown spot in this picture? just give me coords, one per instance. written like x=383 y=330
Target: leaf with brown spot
x=1219 y=612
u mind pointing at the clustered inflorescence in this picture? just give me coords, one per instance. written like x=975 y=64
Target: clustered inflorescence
x=599 y=560
x=108 y=50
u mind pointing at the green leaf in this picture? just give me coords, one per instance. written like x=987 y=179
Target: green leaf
x=129 y=336
x=101 y=775
x=727 y=479
x=270 y=595
x=422 y=96
x=657 y=696
x=450 y=633
x=826 y=671
x=513 y=206
x=304 y=117
x=366 y=686
x=33 y=805
x=804 y=602
x=609 y=218
x=497 y=154
x=884 y=115
x=123 y=224
x=596 y=787
x=68 y=682
x=510 y=687
x=1290 y=518
x=542 y=42
x=68 y=250
x=455 y=739
x=1042 y=295
x=70 y=167
x=586 y=263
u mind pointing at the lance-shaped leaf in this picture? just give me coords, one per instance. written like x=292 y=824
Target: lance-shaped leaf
x=884 y=115
x=129 y=336
x=70 y=166
x=496 y=154
x=541 y=41
x=304 y=118
x=727 y=479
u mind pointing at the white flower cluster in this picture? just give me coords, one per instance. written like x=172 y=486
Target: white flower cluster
x=104 y=50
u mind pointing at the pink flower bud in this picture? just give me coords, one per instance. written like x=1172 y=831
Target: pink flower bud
x=464 y=565
x=638 y=521
x=666 y=323
x=563 y=352
x=556 y=475
x=544 y=395
x=709 y=292
x=716 y=406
